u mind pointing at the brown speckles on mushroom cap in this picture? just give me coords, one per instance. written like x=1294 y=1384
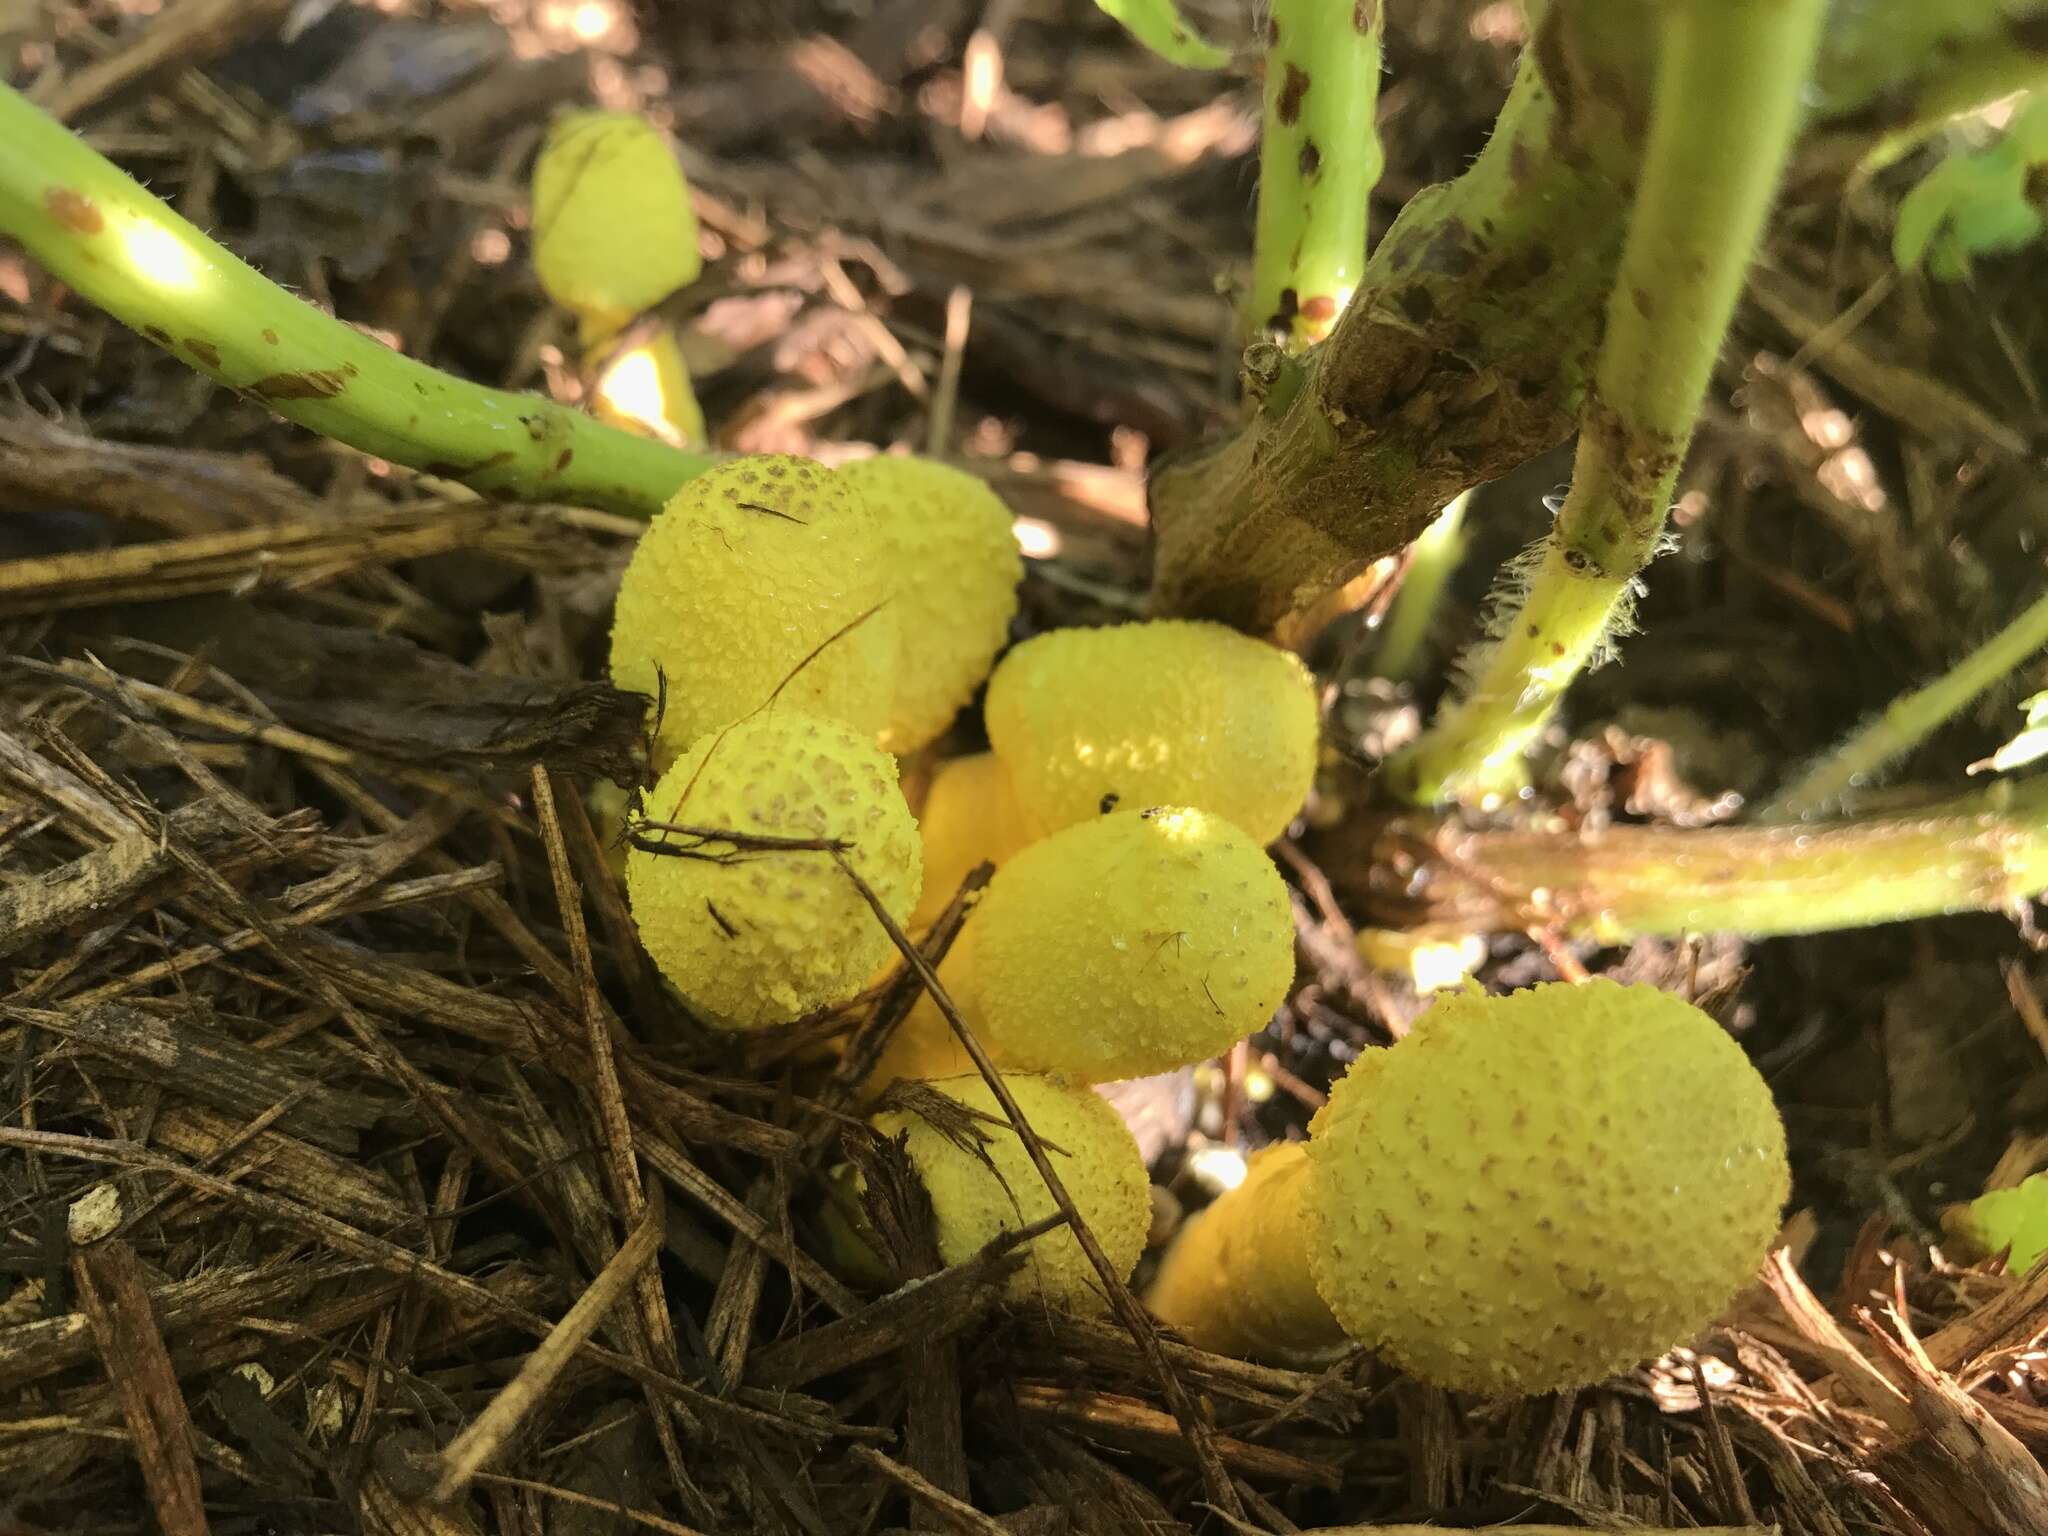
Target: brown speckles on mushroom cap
x=1532 y=1192
x=764 y=574
x=766 y=936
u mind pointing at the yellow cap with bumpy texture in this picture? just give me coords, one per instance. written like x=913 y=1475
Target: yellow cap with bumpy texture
x=1168 y=712
x=949 y=536
x=980 y=1191
x=1531 y=1192
x=1131 y=944
x=970 y=816
x=613 y=229
x=764 y=936
x=763 y=577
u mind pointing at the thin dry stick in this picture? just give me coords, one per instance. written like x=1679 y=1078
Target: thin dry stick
x=655 y=1335
x=946 y=398
x=1215 y=1478
x=115 y=1300
x=955 y=1514
x=467 y=1453
x=652 y=1521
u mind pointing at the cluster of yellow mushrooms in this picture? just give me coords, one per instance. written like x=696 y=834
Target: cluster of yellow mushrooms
x=1527 y=1193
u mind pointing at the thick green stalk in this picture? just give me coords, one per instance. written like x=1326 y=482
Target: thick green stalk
x=1465 y=351
x=1319 y=159
x=1911 y=718
x=1431 y=559
x=91 y=225
x=1982 y=852
x=1727 y=101
x=1462 y=355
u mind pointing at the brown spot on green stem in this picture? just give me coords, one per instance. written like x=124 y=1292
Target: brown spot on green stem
x=1310 y=161
x=564 y=459
x=313 y=384
x=159 y=335
x=269 y=335
x=74 y=210
x=1319 y=309
x=1292 y=89
x=204 y=350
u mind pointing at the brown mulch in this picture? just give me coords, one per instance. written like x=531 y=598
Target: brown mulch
x=355 y=1171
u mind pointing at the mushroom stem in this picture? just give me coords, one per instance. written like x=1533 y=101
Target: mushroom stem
x=1318 y=160
x=96 y=229
x=1237 y=1279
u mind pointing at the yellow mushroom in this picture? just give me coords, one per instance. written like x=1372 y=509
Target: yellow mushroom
x=762 y=935
x=1167 y=712
x=613 y=229
x=970 y=816
x=989 y=1186
x=1130 y=944
x=762 y=578
x=614 y=234
x=950 y=536
x=1527 y=1194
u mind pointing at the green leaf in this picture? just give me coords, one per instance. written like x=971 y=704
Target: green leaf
x=1158 y=25
x=2008 y=1218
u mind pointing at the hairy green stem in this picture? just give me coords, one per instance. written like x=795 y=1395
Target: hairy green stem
x=1319 y=159
x=90 y=224
x=1910 y=719
x=1982 y=852
x=1727 y=101
x=1432 y=558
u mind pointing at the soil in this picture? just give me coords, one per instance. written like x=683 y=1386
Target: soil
x=319 y=979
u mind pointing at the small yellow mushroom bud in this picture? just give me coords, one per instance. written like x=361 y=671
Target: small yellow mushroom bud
x=1130 y=944
x=761 y=935
x=970 y=816
x=1527 y=1194
x=613 y=230
x=763 y=577
x=989 y=1186
x=1160 y=713
x=950 y=536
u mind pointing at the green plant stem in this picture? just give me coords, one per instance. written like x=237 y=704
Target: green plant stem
x=1981 y=852
x=1729 y=78
x=1910 y=719
x=1465 y=351
x=91 y=225
x=1319 y=158
x=1431 y=559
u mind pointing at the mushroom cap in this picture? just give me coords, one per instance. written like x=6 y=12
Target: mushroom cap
x=762 y=578
x=761 y=936
x=978 y=1195
x=1534 y=1191
x=1130 y=944
x=1164 y=712
x=613 y=229
x=949 y=535
x=970 y=815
